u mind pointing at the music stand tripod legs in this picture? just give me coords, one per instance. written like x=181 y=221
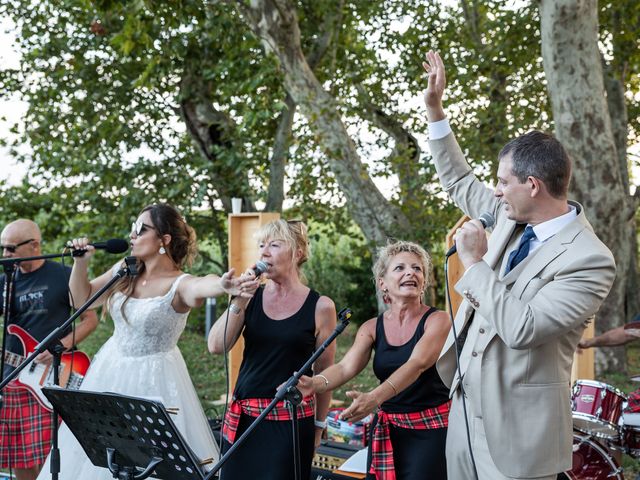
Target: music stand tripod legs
x=128 y=473
x=132 y=437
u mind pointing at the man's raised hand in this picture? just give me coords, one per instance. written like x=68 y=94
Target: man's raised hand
x=437 y=82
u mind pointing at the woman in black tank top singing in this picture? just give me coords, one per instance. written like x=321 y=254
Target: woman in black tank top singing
x=411 y=400
x=282 y=325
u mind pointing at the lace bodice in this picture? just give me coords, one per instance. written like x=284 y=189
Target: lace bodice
x=151 y=326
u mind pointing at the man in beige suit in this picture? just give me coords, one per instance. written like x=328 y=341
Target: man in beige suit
x=528 y=294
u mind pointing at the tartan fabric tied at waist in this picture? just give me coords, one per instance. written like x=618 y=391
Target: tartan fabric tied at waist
x=255 y=406
x=382 y=450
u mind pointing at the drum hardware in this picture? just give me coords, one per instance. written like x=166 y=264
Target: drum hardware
x=597 y=408
x=591 y=461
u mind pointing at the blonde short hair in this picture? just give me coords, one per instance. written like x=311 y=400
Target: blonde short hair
x=386 y=253
x=292 y=232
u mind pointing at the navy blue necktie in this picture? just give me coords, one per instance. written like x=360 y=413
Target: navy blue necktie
x=522 y=251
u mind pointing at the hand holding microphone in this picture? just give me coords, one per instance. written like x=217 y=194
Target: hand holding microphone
x=471 y=240
x=83 y=248
x=246 y=284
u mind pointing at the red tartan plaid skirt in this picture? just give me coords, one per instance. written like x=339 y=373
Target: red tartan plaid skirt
x=25 y=430
x=254 y=407
x=382 y=449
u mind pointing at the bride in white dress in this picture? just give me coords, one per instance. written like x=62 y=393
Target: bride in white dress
x=149 y=313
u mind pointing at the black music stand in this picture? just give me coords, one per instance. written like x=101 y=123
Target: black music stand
x=132 y=437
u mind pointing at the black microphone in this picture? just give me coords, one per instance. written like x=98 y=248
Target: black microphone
x=260 y=268
x=486 y=219
x=113 y=245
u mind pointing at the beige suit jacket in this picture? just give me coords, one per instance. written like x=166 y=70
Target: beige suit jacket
x=532 y=320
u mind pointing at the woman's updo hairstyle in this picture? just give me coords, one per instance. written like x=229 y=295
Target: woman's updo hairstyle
x=182 y=248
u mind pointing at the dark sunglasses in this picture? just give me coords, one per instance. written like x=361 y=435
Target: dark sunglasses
x=138 y=228
x=12 y=248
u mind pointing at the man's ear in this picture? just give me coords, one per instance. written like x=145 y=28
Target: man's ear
x=535 y=186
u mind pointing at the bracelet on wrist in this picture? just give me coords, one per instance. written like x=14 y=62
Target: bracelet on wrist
x=320 y=424
x=235 y=309
x=326 y=381
x=395 y=390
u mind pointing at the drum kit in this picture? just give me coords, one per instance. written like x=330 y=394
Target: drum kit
x=599 y=429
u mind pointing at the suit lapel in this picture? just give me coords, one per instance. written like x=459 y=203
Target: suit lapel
x=547 y=253
x=500 y=239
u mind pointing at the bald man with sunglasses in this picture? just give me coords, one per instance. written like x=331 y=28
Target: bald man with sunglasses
x=40 y=304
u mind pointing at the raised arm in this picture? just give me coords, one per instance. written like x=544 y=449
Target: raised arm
x=193 y=291
x=437 y=82
x=423 y=356
x=79 y=284
x=454 y=173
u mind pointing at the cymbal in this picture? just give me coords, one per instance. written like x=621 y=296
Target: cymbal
x=633 y=328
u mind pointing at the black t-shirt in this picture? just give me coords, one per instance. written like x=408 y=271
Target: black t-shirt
x=40 y=302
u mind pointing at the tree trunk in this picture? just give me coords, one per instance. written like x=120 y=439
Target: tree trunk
x=569 y=31
x=276 y=24
x=614 y=85
x=405 y=154
x=277 y=164
x=212 y=132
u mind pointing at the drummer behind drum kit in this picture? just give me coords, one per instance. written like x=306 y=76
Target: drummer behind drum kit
x=599 y=428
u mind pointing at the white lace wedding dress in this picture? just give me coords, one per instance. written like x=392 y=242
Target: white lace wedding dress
x=141 y=359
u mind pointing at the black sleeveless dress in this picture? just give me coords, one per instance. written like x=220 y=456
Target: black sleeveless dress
x=417 y=454
x=273 y=350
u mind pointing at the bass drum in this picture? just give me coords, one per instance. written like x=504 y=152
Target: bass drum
x=591 y=461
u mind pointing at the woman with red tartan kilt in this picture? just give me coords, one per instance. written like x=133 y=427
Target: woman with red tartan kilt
x=412 y=402
x=282 y=325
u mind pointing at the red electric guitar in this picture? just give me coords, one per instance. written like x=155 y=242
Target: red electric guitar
x=73 y=366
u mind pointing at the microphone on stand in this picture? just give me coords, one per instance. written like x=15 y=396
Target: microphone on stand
x=113 y=245
x=486 y=219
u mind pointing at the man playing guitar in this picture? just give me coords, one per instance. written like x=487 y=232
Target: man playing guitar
x=40 y=304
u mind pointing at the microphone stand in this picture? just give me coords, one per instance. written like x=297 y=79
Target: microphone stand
x=289 y=392
x=52 y=342
x=9 y=271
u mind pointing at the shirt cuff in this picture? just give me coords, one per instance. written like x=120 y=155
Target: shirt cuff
x=439 y=129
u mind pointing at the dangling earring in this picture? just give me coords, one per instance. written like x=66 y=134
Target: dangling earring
x=421 y=296
x=385 y=296
x=162 y=250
